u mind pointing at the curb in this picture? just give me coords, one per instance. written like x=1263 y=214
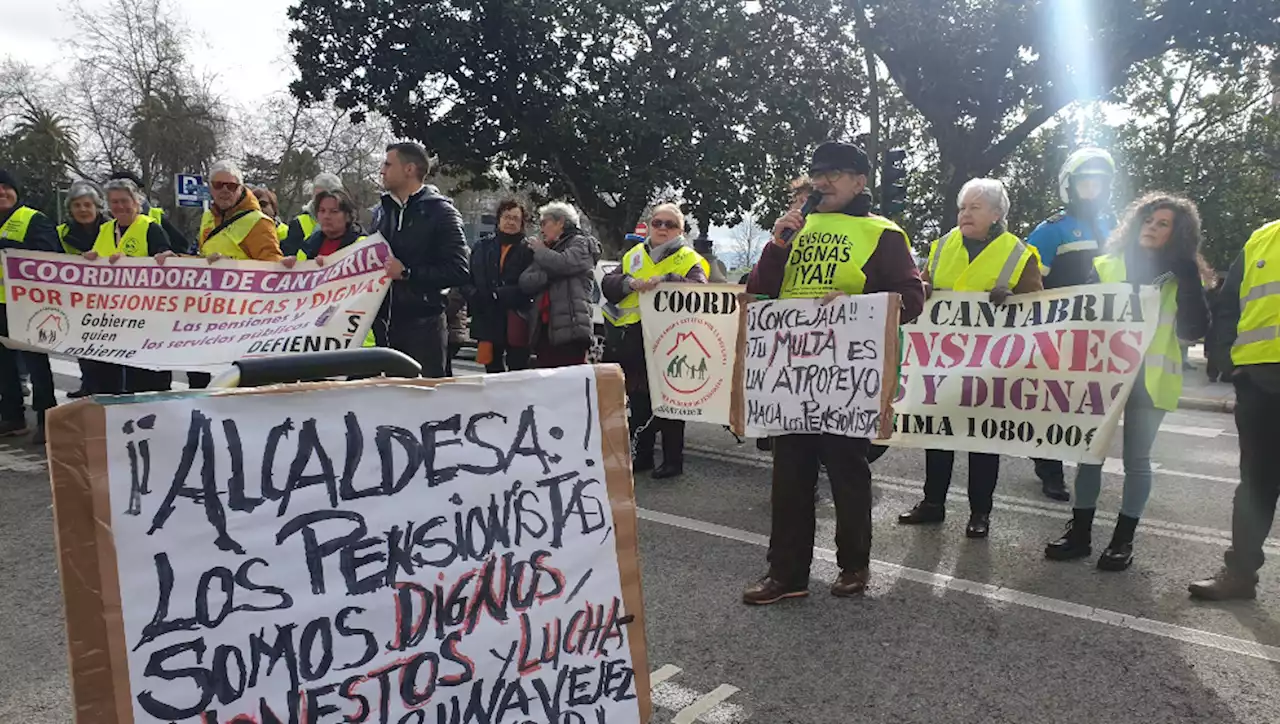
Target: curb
x=1208 y=404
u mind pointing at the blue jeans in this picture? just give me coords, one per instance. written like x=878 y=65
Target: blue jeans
x=1141 y=423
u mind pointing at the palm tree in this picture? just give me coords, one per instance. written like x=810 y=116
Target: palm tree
x=49 y=132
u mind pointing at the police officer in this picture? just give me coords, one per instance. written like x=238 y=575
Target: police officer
x=878 y=259
x=22 y=227
x=1067 y=243
x=979 y=255
x=1250 y=302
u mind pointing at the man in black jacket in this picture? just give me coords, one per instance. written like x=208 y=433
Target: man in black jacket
x=428 y=256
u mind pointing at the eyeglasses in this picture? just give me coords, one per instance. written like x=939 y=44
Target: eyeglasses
x=225 y=185
x=664 y=224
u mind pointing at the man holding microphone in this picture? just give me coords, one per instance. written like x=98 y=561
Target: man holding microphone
x=878 y=260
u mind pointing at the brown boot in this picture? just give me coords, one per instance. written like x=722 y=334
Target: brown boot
x=769 y=590
x=851 y=584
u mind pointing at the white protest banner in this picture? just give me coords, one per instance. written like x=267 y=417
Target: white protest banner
x=354 y=552
x=188 y=314
x=806 y=367
x=1045 y=376
x=691 y=339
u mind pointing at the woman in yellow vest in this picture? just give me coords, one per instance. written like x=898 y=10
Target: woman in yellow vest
x=666 y=256
x=270 y=206
x=85 y=207
x=979 y=255
x=130 y=233
x=1157 y=242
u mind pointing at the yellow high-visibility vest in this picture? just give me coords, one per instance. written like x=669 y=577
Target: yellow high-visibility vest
x=1258 y=332
x=15 y=229
x=829 y=252
x=63 y=230
x=999 y=265
x=206 y=223
x=227 y=241
x=156 y=213
x=1162 y=367
x=133 y=242
x=282 y=230
x=637 y=264
x=308 y=224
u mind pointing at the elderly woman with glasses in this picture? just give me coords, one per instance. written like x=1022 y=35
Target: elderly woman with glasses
x=979 y=255
x=666 y=256
x=560 y=278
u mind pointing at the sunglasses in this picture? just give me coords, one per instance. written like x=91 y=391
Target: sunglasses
x=664 y=224
x=225 y=185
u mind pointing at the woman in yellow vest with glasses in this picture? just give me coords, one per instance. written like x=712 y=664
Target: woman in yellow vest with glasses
x=1157 y=242
x=979 y=255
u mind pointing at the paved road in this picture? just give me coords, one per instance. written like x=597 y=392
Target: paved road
x=952 y=630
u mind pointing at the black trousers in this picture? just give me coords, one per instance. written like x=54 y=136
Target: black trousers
x=12 y=407
x=425 y=339
x=645 y=428
x=508 y=359
x=984 y=470
x=795 y=478
x=454 y=348
x=199 y=380
x=137 y=379
x=102 y=378
x=1048 y=470
x=1258 y=422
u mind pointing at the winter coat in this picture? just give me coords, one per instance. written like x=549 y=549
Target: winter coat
x=494 y=290
x=426 y=235
x=565 y=271
x=311 y=245
x=456 y=317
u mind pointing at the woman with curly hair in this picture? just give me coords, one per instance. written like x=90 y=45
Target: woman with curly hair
x=1157 y=243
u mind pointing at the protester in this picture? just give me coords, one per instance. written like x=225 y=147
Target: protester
x=135 y=234
x=22 y=227
x=979 y=255
x=178 y=241
x=499 y=309
x=428 y=256
x=1067 y=243
x=1251 y=304
x=665 y=257
x=85 y=208
x=270 y=206
x=560 y=278
x=1222 y=330
x=879 y=260
x=304 y=224
x=1158 y=243
x=336 y=229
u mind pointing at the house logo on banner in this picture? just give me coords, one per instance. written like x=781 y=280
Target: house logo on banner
x=686 y=372
x=690 y=336
x=49 y=326
x=688 y=348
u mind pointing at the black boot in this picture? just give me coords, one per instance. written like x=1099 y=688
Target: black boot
x=672 y=450
x=923 y=513
x=1119 y=553
x=1077 y=541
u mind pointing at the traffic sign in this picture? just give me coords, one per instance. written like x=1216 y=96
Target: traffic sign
x=190 y=190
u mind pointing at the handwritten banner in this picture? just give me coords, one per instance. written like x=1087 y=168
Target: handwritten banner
x=808 y=368
x=1046 y=375
x=188 y=314
x=337 y=553
x=690 y=335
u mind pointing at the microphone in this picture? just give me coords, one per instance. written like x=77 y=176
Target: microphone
x=810 y=204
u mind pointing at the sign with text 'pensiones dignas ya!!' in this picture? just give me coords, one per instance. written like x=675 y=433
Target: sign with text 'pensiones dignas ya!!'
x=354 y=552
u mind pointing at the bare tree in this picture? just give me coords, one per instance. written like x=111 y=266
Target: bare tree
x=747 y=240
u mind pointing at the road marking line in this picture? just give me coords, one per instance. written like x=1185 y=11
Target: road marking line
x=661 y=675
x=992 y=592
x=704 y=704
x=1013 y=503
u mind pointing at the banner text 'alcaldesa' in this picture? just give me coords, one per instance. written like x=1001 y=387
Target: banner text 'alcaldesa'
x=343 y=556
x=1044 y=376
x=188 y=314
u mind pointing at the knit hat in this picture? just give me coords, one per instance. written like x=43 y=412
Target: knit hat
x=8 y=179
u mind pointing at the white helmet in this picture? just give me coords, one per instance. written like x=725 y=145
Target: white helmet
x=1084 y=162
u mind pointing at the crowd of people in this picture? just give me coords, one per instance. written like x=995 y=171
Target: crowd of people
x=529 y=298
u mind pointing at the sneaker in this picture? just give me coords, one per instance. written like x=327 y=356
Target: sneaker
x=769 y=590
x=1226 y=585
x=13 y=428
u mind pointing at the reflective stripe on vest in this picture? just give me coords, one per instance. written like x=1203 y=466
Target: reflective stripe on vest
x=829 y=252
x=637 y=264
x=1258 y=332
x=1162 y=367
x=15 y=229
x=998 y=266
x=133 y=242
x=227 y=241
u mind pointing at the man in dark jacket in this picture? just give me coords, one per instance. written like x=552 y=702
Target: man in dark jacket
x=428 y=256
x=839 y=171
x=22 y=228
x=499 y=309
